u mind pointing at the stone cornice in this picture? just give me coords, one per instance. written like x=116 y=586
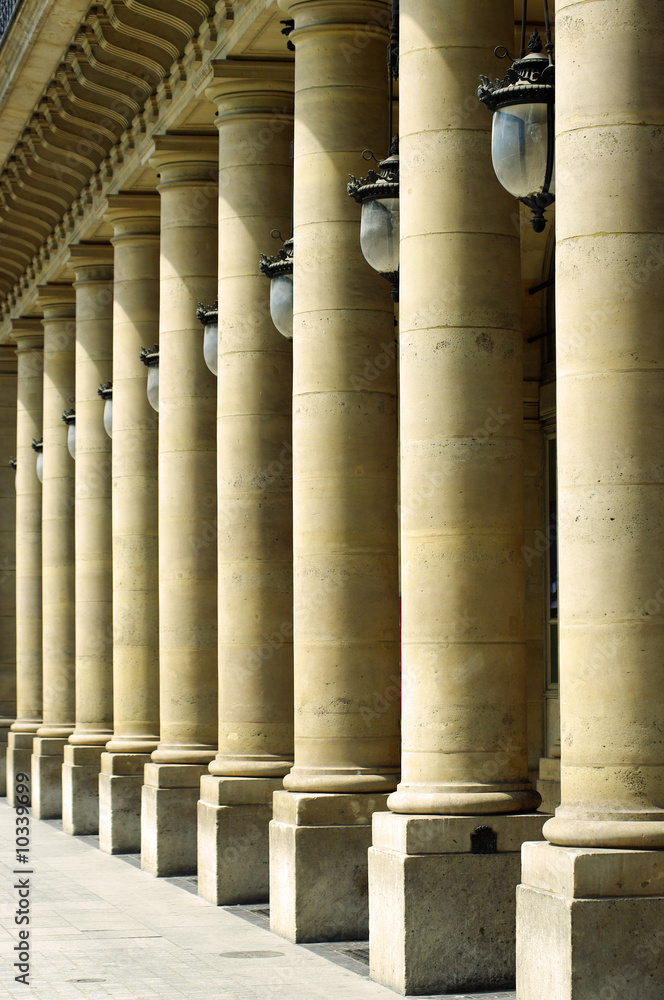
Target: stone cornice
x=115 y=70
x=219 y=35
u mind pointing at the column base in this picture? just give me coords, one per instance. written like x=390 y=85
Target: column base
x=120 y=783
x=590 y=924
x=47 y=760
x=441 y=916
x=233 y=845
x=548 y=784
x=80 y=789
x=18 y=760
x=168 y=818
x=318 y=865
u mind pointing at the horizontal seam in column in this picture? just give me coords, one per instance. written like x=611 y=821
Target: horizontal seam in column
x=585 y=128
x=650 y=619
x=332 y=309
x=457 y=326
x=611 y=371
x=345 y=389
x=339 y=86
x=404 y=53
x=460 y=232
x=443 y=128
x=593 y=485
x=606 y=233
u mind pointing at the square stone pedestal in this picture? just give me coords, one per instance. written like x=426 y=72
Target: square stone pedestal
x=80 y=789
x=233 y=839
x=19 y=761
x=318 y=865
x=47 y=759
x=120 y=783
x=168 y=818
x=548 y=784
x=4 y=742
x=442 y=917
x=590 y=924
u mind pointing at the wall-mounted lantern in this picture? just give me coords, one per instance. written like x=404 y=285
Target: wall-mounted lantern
x=279 y=269
x=150 y=358
x=38 y=446
x=105 y=392
x=522 y=132
x=208 y=316
x=69 y=417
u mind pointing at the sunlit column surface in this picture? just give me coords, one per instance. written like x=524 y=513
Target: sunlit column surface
x=254 y=105
x=187 y=167
x=57 y=303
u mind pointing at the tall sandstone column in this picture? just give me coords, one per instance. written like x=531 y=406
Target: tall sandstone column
x=591 y=907
x=8 y=370
x=464 y=760
x=254 y=459
x=344 y=489
x=93 y=266
x=29 y=337
x=58 y=304
x=135 y=221
x=187 y=166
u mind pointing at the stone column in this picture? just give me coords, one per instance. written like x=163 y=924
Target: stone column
x=135 y=221
x=346 y=660
x=187 y=166
x=7 y=555
x=29 y=337
x=590 y=914
x=464 y=759
x=254 y=458
x=93 y=266
x=57 y=303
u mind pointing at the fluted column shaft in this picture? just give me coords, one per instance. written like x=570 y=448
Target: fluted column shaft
x=187 y=468
x=29 y=337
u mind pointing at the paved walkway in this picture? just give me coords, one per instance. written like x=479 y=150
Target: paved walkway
x=101 y=928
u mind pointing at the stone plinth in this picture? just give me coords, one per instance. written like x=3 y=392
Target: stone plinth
x=233 y=845
x=168 y=818
x=318 y=865
x=590 y=924
x=47 y=760
x=80 y=789
x=19 y=753
x=120 y=783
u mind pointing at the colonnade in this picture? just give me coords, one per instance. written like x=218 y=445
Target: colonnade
x=217 y=587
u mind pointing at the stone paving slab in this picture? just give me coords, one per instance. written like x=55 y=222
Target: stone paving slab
x=102 y=929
